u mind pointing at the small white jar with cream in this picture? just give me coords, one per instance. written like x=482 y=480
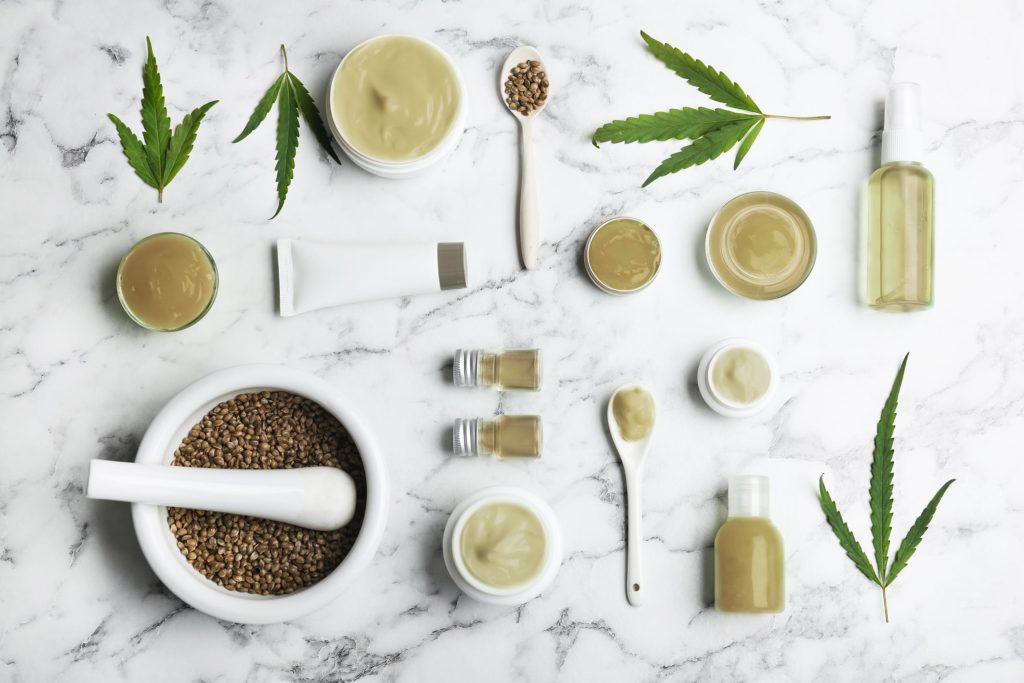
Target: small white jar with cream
x=396 y=105
x=737 y=378
x=502 y=546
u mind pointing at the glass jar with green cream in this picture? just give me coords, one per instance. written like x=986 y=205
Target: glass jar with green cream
x=396 y=104
x=167 y=282
x=761 y=245
x=502 y=546
x=622 y=256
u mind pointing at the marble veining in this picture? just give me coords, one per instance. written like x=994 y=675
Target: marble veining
x=78 y=380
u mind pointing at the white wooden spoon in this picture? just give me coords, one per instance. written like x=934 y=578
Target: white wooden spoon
x=633 y=454
x=529 y=222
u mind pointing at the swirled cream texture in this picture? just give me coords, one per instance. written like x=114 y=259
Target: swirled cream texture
x=740 y=375
x=503 y=544
x=395 y=98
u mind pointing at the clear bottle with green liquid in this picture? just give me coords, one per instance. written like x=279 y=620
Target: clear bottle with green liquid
x=901 y=211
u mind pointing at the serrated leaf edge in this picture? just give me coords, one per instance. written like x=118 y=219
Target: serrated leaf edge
x=915 y=534
x=880 y=489
x=156 y=124
x=311 y=115
x=705 y=148
x=686 y=123
x=847 y=540
x=134 y=151
x=287 y=144
x=747 y=143
x=263 y=108
x=183 y=138
x=708 y=80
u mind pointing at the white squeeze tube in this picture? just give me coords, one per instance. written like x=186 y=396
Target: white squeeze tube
x=314 y=275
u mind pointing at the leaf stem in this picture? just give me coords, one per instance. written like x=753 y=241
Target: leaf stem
x=284 y=55
x=885 y=605
x=797 y=118
x=160 y=195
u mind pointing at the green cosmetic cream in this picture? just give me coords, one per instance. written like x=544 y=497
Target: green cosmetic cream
x=623 y=255
x=503 y=545
x=740 y=375
x=761 y=245
x=167 y=282
x=395 y=98
x=634 y=413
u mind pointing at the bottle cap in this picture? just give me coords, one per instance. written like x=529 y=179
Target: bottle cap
x=465 y=437
x=748 y=496
x=465 y=368
x=901 y=136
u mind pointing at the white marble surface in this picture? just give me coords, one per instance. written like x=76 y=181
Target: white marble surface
x=79 y=381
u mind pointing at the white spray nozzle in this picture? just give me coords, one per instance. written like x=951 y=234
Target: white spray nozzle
x=901 y=136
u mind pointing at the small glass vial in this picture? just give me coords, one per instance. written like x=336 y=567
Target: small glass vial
x=749 y=559
x=506 y=436
x=510 y=369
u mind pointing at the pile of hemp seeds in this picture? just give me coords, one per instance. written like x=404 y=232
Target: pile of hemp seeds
x=526 y=88
x=265 y=430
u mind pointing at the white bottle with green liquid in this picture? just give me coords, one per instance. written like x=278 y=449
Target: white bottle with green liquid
x=901 y=211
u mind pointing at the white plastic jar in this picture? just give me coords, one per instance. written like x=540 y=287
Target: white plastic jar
x=509 y=595
x=737 y=378
x=389 y=168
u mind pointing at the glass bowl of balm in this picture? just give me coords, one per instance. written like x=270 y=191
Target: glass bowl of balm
x=622 y=256
x=396 y=105
x=761 y=245
x=737 y=378
x=167 y=282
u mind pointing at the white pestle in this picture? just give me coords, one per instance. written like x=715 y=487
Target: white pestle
x=320 y=498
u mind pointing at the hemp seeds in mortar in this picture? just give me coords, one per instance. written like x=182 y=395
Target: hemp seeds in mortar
x=265 y=430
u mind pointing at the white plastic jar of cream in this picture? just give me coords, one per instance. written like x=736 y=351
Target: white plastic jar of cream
x=396 y=105
x=480 y=528
x=737 y=378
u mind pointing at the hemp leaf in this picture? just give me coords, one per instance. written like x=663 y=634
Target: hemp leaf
x=712 y=131
x=157 y=160
x=880 y=502
x=292 y=100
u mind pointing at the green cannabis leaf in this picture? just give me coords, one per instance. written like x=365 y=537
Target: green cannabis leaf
x=292 y=100
x=161 y=153
x=712 y=131
x=880 y=502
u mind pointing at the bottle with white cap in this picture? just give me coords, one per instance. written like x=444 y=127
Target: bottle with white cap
x=901 y=211
x=749 y=558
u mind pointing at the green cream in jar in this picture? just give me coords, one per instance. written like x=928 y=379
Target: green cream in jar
x=395 y=98
x=503 y=544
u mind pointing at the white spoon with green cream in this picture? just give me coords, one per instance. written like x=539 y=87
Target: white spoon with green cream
x=631 y=415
